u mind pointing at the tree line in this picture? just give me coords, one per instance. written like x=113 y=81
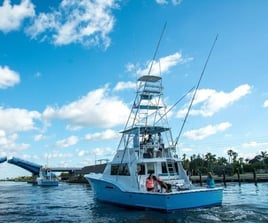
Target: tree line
x=201 y=164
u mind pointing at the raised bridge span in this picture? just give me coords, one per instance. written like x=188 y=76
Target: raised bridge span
x=34 y=168
x=3 y=159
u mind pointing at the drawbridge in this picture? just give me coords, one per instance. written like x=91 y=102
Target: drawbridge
x=27 y=165
x=3 y=159
x=34 y=168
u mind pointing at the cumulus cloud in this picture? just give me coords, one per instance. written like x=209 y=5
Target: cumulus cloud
x=105 y=135
x=125 y=85
x=8 y=77
x=70 y=141
x=96 y=109
x=100 y=152
x=162 y=66
x=164 y=2
x=39 y=137
x=210 y=101
x=8 y=142
x=14 y=120
x=265 y=104
x=57 y=154
x=12 y=16
x=86 y=22
x=209 y=130
x=254 y=144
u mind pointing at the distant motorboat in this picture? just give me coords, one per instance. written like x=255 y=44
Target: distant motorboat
x=47 y=178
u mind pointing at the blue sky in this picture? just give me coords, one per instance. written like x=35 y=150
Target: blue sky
x=68 y=71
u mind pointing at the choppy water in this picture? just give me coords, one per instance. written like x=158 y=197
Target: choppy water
x=22 y=202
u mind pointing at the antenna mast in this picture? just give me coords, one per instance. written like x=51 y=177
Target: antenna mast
x=156 y=50
x=197 y=86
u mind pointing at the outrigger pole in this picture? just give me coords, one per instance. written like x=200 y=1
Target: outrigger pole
x=157 y=47
x=174 y=105
x=197 y=86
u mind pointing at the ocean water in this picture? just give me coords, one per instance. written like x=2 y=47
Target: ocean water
x=22 y=202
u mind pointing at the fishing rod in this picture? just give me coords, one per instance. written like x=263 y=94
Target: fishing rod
x=157 y=47
x=174 y=105
x=197 y=86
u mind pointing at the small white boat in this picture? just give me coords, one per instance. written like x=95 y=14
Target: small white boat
x=47 y=178
x=124 y=180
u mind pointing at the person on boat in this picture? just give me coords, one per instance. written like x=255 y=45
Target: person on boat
x=160 y=145
x=210 y=181
x=162 y=184
x=150 y=147
x=150 y=183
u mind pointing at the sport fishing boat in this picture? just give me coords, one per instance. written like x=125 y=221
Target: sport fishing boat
x=47 y=178
x=147 y=148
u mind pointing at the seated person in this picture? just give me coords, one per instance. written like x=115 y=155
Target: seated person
x=150 y=147
x=162 y=184
x=210 y=181
x=150 y=183
x=160 y=145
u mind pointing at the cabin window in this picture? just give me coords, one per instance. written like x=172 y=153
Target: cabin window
x=150 y=168
x=120 y=169
x=164 y=167
x=176 y=167
x=141 y=169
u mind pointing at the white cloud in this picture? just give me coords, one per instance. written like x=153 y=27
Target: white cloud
x=254 y=144
x=161 y=2
x=103 y=152
x=57 y=154
x=96 y=109
x=209 y=130
x=211 y=101
x=39 y=137
x=8 y=142
x=13 y=120
x=12 y=16
x=70 y=141
x=96 y=153
x=163 y=65
x=265 y=104
x=164 y=2
x=125 y=85
x=107 y=134
x=86 y=22
x=8 y=77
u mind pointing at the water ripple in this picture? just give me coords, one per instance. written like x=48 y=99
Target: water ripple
x=21 y=202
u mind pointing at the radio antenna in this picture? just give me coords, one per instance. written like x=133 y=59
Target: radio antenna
x=157 y=47
x=195 y=91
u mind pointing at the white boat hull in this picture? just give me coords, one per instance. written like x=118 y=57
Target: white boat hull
x=42 y=182
x=186 y=199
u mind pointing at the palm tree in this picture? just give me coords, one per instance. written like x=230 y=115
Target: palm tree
x=235 y=155
x=210 y=158
x=230 y=154
x=264 y=157
x=222 y=161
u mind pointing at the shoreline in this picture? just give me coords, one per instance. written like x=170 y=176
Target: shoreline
x=242 y=178
x=246 y=178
